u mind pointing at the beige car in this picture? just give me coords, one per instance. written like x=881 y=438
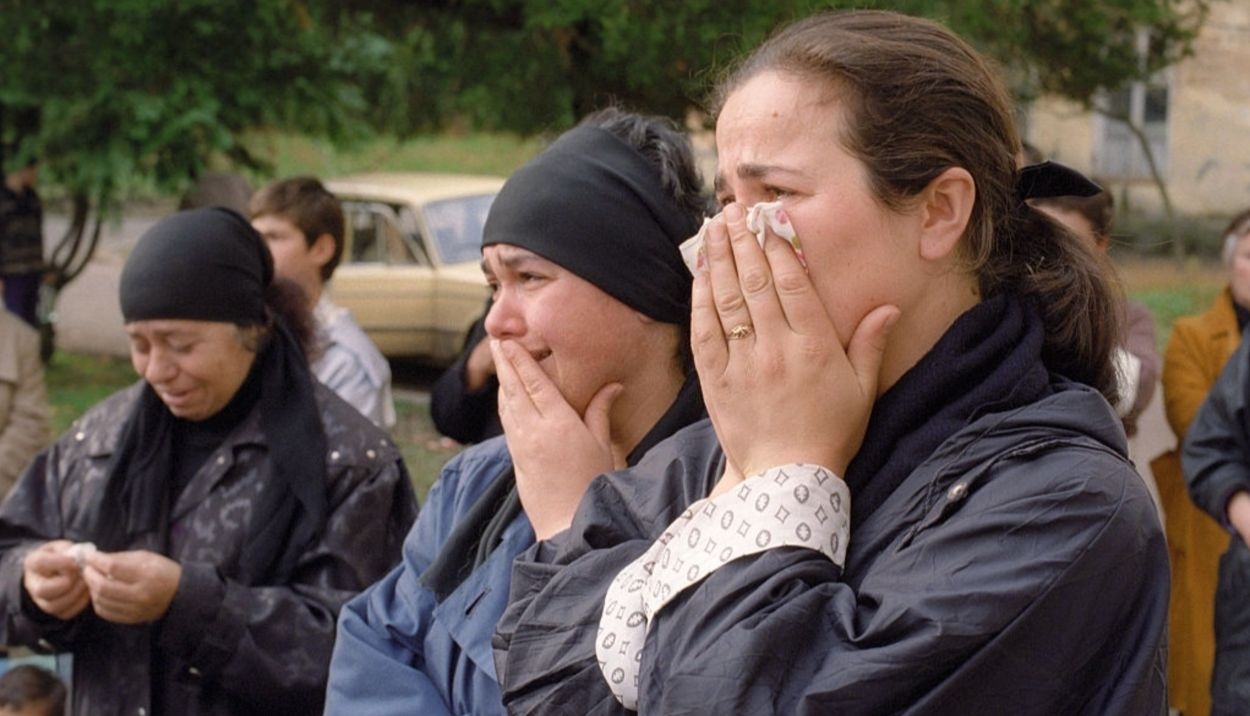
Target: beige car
x=411 y=268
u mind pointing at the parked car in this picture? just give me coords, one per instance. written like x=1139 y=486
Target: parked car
x=411 y=268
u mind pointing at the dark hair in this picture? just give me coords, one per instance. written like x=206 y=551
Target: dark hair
x=1098 y=210
x=668 y=149
x=284 y=299
x=27 y=685
x=918 y=100
x=306 y=203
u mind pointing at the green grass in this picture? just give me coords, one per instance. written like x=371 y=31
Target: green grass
x=76 y=381
x=469 y=153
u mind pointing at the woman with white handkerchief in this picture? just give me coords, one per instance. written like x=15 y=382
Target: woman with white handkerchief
x=912 y=494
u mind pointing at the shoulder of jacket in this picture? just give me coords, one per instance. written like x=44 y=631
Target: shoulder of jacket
x=98 y=430
x=351 y=438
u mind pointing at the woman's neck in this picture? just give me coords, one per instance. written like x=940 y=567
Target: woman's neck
x=647 y=396
x=923 y=324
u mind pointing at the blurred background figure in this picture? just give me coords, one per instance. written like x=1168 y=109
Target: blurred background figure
x=29 y=690
x=302 y=222
x=1091 y=218
x=464 y=401
x=21 y=241
x=228 y=189
x=24 y=412
x=1196 y=353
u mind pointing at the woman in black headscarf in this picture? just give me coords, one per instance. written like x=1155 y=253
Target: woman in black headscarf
x=191 y=538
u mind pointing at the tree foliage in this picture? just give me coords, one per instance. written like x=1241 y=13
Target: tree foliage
x=150 y=90
x=534 y=65
x=124 y=91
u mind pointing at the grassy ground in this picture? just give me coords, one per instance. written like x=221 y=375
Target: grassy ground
x=470 y=153
x=76 y=381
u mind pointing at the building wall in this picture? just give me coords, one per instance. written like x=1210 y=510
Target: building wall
x=1208 y=172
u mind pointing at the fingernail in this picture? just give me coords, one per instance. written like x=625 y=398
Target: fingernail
x=733 y=212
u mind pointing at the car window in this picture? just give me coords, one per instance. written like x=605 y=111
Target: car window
x=456 y=226
x=375 y=235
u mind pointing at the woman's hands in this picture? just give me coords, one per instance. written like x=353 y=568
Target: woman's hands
x=133 y=587
x=778 y=384
x=555 y=453
x=54 y=581
x=123 y=587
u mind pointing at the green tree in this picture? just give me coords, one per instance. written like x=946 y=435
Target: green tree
x=537 y=65
x=113 y=94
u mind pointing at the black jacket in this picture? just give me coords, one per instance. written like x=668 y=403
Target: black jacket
x=222 y=647
x=1216 y=461
x=1019 y=569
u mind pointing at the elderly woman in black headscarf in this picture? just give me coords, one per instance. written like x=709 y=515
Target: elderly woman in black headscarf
x=191 y=538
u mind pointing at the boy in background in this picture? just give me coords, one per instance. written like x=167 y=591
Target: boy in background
x=302 y=222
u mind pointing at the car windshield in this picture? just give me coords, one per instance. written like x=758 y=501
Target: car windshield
x=456 y=226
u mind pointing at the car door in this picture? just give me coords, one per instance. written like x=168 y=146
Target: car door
x=386 y=280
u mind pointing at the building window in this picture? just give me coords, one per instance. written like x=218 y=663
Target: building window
x=1117 y=152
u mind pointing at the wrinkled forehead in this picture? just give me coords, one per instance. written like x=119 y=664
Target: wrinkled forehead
x=775 y=121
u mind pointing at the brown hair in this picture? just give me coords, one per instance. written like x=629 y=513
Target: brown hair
x=918 y=101
x=307 y=204
x=27 y=684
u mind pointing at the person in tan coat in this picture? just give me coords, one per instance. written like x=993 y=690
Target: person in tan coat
x=1196 y=353
x=24 y=412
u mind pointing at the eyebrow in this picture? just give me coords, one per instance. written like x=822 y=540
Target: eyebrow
x=754 y=170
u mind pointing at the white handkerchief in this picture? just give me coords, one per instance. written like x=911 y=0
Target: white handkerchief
x=762 y=216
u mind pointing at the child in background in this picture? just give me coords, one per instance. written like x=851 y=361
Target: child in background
x=29 y=690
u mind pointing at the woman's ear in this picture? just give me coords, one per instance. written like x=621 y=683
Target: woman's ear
x=946 y=206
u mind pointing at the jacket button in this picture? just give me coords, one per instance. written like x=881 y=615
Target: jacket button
x=194 y=672
x=142 y=711
x=956 y=491
x=80 y=436
x=334 y=455
x=221 y=459
x=371 y=454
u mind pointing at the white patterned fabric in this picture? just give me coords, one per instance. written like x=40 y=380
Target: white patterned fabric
x=788 y=506
x=762 y=216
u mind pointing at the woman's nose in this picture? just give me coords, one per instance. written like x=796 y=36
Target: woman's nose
x=159 y=368
x=504 y=320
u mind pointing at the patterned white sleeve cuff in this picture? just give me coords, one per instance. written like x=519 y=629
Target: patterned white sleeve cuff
x=789 y=506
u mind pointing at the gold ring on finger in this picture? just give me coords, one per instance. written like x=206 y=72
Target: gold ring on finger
x=742 y=330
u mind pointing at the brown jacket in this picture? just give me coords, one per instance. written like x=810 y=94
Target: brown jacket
x=1196 y=353
x=24 y=429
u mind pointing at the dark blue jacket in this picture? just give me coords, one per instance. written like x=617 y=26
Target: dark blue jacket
x=1020 y=568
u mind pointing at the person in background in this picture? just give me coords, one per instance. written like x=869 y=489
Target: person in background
x=912 y=495
x=591 y=298
x=21 y=241
x=302 y=222
x=191 y=538
x=24 y=411
x=29 y=690
x=1091 y=218
x=464 y=401
x=1198 y=349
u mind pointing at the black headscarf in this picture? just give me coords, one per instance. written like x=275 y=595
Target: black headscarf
x=211 y=265
x=594 y=205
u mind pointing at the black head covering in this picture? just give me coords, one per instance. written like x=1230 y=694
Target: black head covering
x=595 y=206
x=204 y=264
x=211 y=265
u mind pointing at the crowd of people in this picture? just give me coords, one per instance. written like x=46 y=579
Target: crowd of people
x=879 y=467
